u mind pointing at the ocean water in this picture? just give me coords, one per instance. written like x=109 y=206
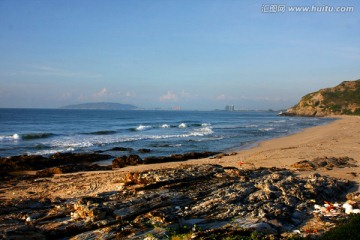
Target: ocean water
x=47 y=131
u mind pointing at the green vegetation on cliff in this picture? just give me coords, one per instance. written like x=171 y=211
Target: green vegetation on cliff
x=343 y=99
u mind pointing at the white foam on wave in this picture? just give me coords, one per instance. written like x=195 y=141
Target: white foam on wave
x=182 y=125
x=79 y=142
x=52 y=151
x=266 y=129
x=279 y=121
x=205 y=124
x=196 y=133
x=142 y=127
x=216 y=138
x=10 y=137
x=165 y=126
x=72 y=142
x=202 y=132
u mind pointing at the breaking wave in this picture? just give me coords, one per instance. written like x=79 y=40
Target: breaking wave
x=79 y=141
x=50 y=152
x=143 y=127
x=28 y=136
x=10 y=137
x=102 y=132
x=266 y=129
x=32 y=136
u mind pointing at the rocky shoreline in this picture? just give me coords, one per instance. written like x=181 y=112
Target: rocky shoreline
x=154 y=204
x=59 y=163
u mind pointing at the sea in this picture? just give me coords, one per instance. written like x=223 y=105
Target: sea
x=48 y=131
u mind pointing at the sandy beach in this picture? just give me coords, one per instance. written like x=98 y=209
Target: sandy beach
x=337 y=139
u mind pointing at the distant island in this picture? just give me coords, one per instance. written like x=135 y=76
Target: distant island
x=101 y=106
x=344 y=99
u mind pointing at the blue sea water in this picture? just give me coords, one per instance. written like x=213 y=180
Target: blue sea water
x=47 y=131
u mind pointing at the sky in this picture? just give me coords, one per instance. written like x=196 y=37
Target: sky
x=195 y=54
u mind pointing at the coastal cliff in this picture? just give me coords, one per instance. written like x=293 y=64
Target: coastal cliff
x=344 y=99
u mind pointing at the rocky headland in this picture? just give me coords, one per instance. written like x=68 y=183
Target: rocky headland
x=343 y=99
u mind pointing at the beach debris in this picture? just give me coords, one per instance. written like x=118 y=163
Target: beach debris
x=241 y=163
x=349 y=208
x=335 y=209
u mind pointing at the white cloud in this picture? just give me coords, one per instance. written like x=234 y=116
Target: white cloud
x=66 y=96
x=221 y=97
x=185 y=94
x=130 y=94
x=103 y=92
x=47 y=71
x=82 y=98
x=169 y=96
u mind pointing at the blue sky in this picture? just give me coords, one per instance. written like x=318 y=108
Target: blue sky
x=196 y=54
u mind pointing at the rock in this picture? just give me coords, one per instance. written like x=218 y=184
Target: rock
x=298 y=217
x=305 y=165
x=144 y=150
x=119 y=162
x=178 y=157
x=88 y=211
x=325 y=162
x=121 y=149
x=24 y=162
x=133 y=160
x=262 y=227
x=269 y=200
x=22 y=232
x=354 y=196
x=124 y=161
x=49 y=172
x=76 y=158
x=37 y=162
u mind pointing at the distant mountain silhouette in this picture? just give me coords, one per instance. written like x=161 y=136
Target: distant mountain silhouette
x=102 y=106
